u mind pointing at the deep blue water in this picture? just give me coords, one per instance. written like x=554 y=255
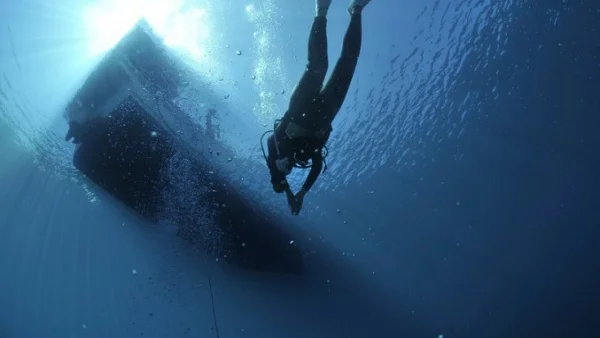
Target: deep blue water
x=463 y=167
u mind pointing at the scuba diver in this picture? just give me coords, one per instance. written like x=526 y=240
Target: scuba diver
x=303 y=131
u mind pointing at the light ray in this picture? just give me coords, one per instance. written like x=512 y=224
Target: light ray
x=109 y=20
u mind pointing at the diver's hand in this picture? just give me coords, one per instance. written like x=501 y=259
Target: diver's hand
x=299 y=200
x=291 y=200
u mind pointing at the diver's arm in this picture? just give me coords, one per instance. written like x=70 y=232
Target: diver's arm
x=278 y=179
x=315 y=171
x=289 y=194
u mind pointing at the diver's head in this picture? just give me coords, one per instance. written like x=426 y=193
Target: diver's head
x=284 y=165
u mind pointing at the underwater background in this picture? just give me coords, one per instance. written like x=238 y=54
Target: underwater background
x=460 y=198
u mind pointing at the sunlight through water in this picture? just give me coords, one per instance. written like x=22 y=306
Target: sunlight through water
x=181 y=27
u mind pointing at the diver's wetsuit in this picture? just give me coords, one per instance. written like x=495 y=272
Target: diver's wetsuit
x=306 y=126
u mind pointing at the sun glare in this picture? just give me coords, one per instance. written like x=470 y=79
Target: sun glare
x=107 y=21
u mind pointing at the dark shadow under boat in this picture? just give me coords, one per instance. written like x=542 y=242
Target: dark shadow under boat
x=130 y=155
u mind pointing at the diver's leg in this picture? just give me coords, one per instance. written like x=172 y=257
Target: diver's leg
x=309 y=86
x=338 y=84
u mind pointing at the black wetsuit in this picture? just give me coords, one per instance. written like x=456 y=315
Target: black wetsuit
x=306 y=126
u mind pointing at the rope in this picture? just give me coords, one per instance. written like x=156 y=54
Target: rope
x=212 y=301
